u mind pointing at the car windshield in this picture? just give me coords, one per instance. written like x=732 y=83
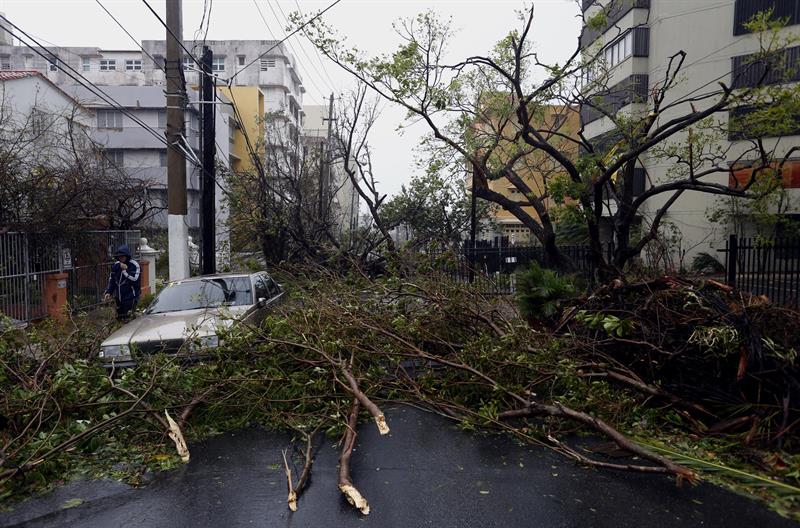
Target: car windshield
x=205 y=293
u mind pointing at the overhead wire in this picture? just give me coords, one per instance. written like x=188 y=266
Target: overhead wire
x=300 y=28
x=174 y=36
x=302 y=50
x=263 y=19
x=96 y=90
x=159 y=66
x=314 y=47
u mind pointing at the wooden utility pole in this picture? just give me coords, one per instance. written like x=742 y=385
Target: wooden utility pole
x=178 y=229
x=208 y=188
x=325 y=162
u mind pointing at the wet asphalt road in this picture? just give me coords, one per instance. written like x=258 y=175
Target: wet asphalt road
x=425 y=473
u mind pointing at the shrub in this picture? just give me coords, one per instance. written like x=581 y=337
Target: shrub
x=706 y=263
x=542 y=292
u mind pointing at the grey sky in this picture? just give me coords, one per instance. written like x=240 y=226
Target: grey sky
x=366 y=23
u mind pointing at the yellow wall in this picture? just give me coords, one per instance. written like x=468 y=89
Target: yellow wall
x=532 y=169
x=249 y=100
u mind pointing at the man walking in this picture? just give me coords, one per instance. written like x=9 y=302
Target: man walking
x=124 y=283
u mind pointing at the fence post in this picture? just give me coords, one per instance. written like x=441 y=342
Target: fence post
x=733 y=249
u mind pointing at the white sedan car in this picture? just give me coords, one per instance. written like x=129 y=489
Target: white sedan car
x=186 y=315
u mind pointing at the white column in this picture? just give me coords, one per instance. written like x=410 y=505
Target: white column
x=178 y=247
x=150 y=255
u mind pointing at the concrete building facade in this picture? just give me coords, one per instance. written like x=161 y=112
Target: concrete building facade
x=639 y=39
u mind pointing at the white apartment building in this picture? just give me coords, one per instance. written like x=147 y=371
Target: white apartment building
x=640 y=38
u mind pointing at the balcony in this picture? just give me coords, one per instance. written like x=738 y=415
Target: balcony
x=615 y=10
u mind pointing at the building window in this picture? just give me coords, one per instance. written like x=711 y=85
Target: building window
x=108 y=64
x=745 y=10
x=40 y=122
x=109 y=119
x=114 y=158
x=753 y=70
x=133 y=65
x=54 y=63
x=158 y=61
x=188 y=63
x=240 y=60
x=86 y=63
x=267 y=63
x=162 y=158
x=162 y=119
x=619 y=50
x=218 y=64
x=5 y=62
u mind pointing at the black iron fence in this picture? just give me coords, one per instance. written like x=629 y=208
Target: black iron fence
x=492 y=268
x=768 y=267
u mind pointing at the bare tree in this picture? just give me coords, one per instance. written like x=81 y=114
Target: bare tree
x=492 y=111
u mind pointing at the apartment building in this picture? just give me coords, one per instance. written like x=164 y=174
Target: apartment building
x=638 y=40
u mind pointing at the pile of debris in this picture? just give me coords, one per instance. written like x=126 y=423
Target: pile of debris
x=726 y=359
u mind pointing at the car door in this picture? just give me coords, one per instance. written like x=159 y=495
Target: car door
x=261 y=297
x=275 y=291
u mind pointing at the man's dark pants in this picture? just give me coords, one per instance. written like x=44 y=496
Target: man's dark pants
x=125 y=308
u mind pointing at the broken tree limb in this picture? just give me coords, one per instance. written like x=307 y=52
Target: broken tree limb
x=377 y=415
x=177 y=437
x=559 y=410
x=346 y=486
x=292 y=498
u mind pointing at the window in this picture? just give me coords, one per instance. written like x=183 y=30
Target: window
x=218 y=64
x=267 y=63
x=54 y=63
x=114 y=158
x=193 y=123
x=262 y=291
x=5 y=62
x=158 y=61
x=86 y=63
x=619 y=50
x=39 y=121
x=162 y=158
x=133 y=65
x=745 y=10
x=188 y=63
x=108 y=64
x=240 y=60
x=162 y=119
x=109 y=119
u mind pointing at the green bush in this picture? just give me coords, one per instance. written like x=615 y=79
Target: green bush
x=706 y=263
x=541 y=292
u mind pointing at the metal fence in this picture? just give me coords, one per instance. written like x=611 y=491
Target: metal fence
x=27 y=258
x=492 y=268
x=768 y=267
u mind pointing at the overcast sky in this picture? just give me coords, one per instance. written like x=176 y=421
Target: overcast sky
x=366 y=23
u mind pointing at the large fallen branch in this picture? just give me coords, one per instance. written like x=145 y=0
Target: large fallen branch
x=346 y=486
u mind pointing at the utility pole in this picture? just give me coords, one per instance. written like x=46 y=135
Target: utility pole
x=324 y=182
x=177 y=225
x=208 y=188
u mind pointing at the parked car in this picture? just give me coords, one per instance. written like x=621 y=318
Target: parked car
x=186 y=315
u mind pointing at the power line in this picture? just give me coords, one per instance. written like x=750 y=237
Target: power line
x=160 y=67
x=178 y=40
x=263 y=19
x=314 y=47
x=310 y=62
x=284 y=39
x=96 y=90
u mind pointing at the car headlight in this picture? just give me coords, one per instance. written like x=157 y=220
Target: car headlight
x=112 y=351
x=209 y=341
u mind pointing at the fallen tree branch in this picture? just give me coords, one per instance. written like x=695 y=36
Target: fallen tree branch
x=346 y=486
x=377 y=415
